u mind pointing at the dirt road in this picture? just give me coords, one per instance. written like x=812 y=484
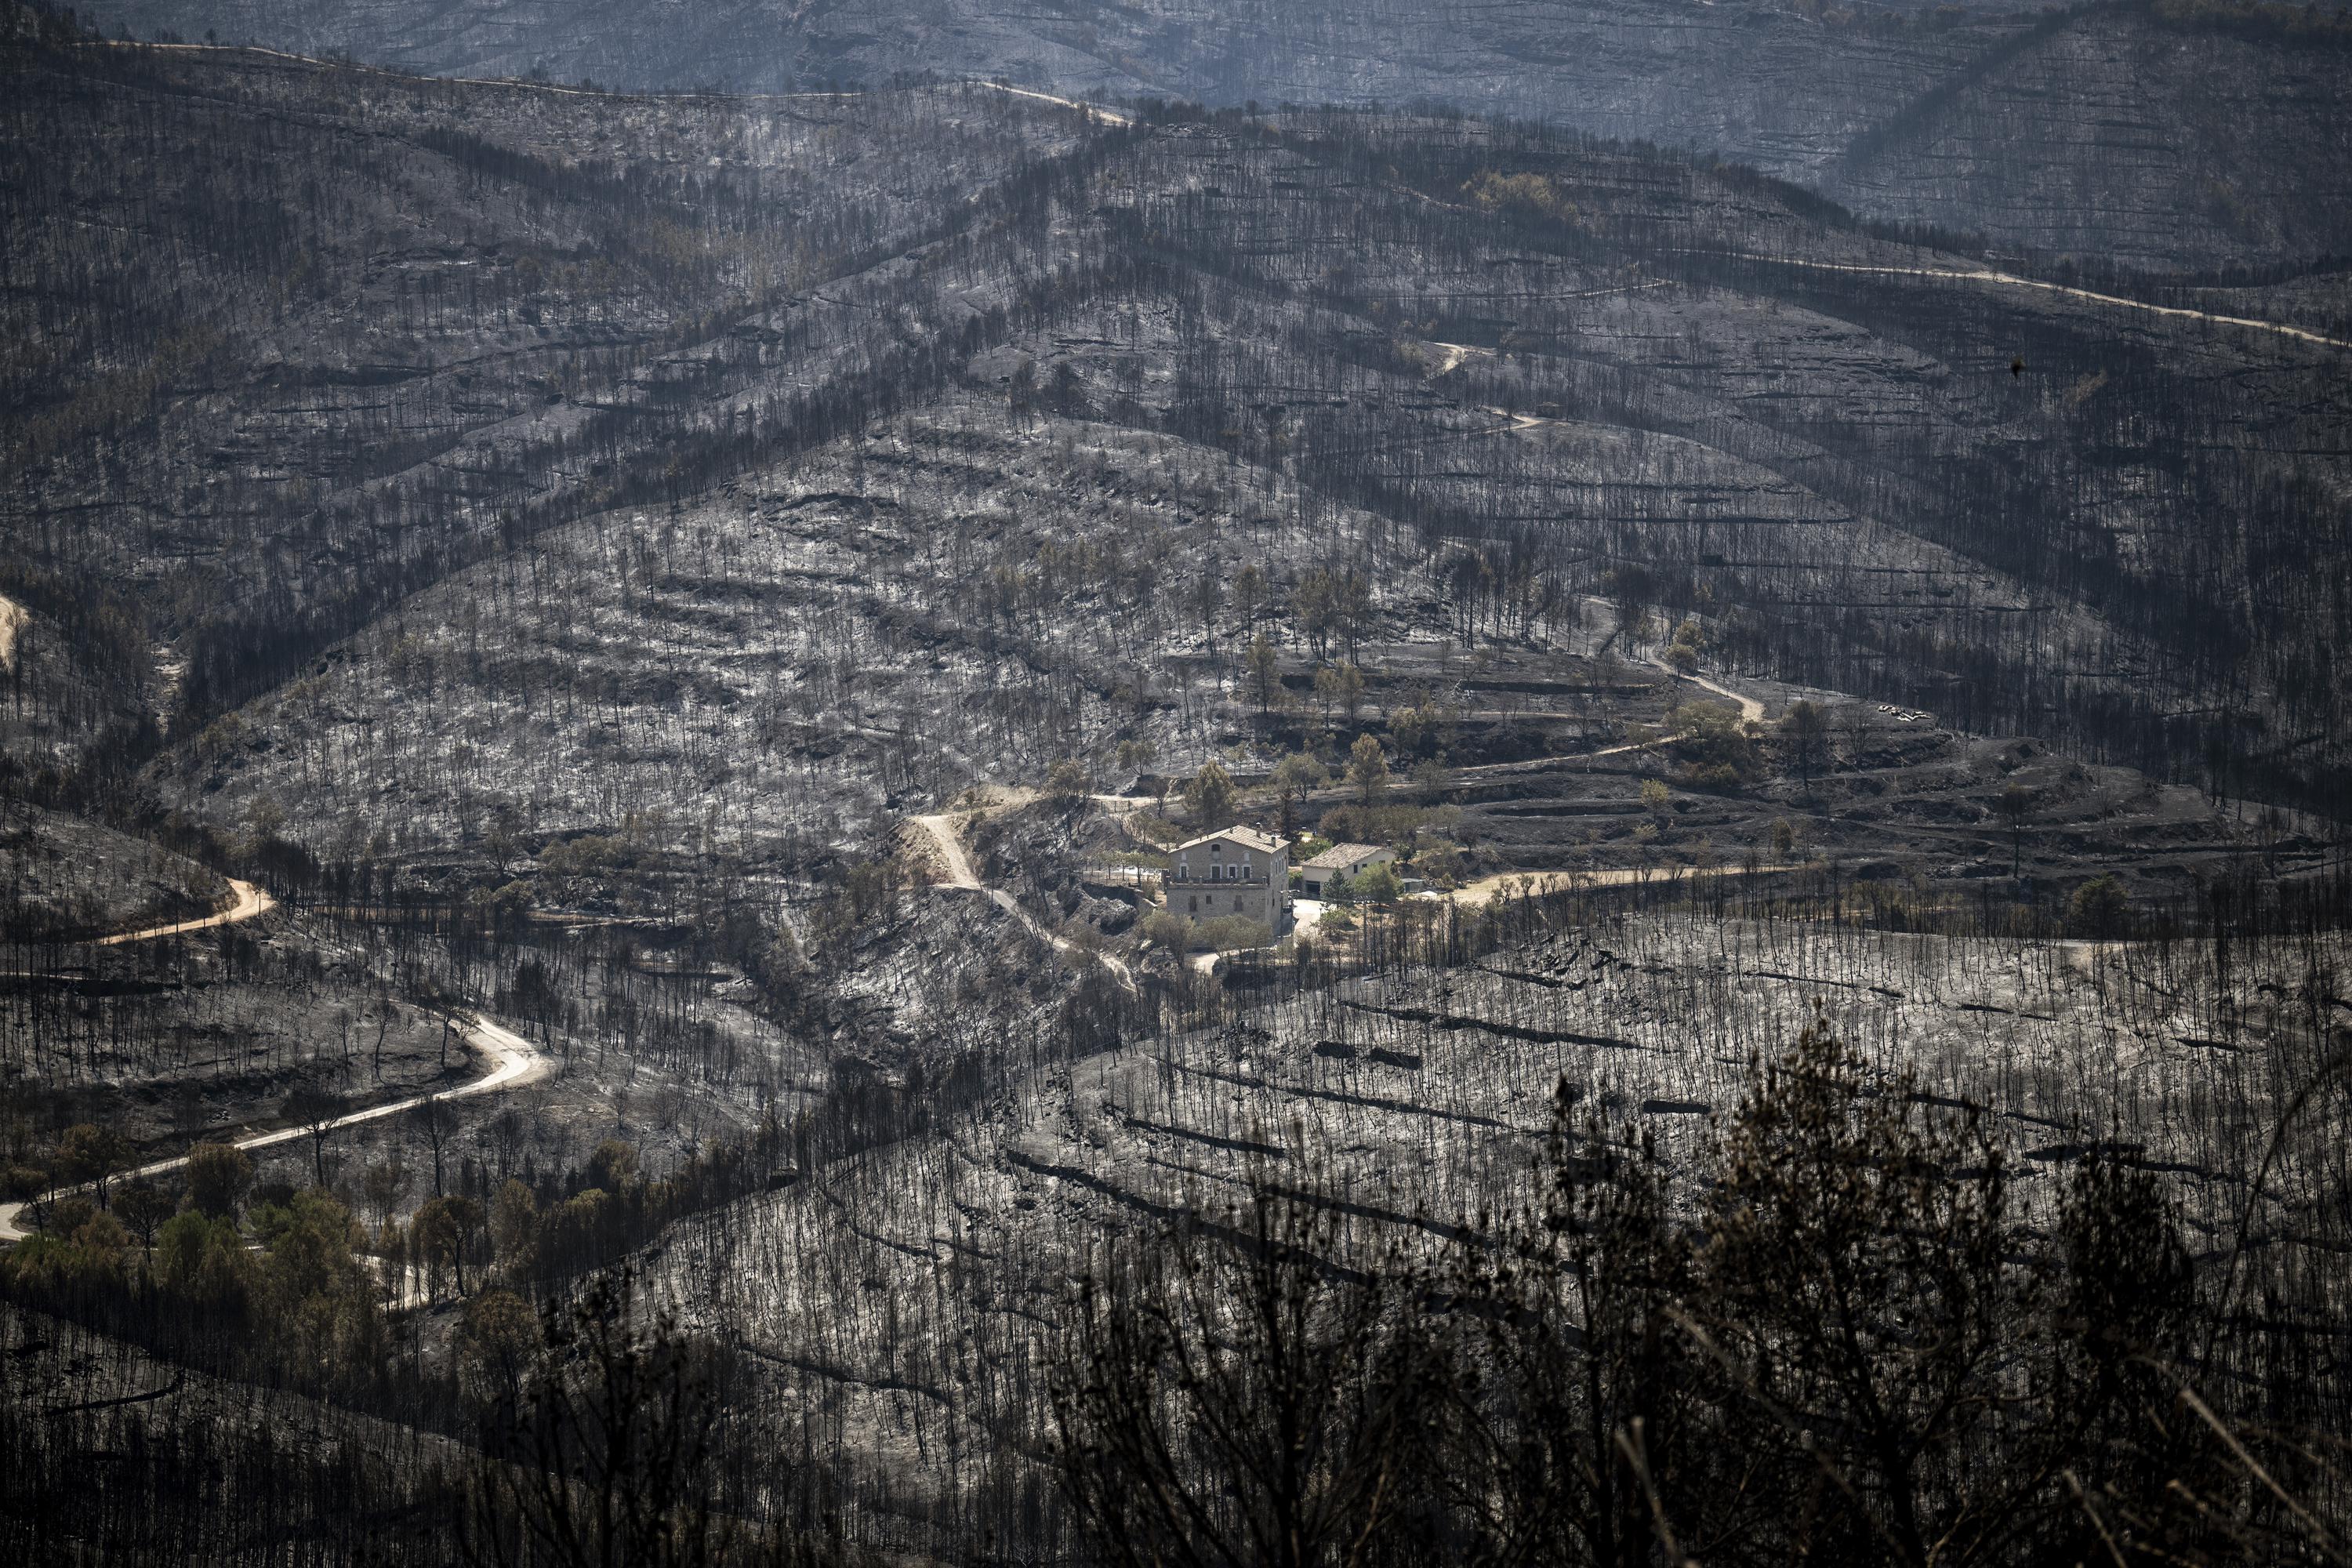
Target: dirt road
x=2011 y=281
x=251 y=902
x=1451 y=355
x=1123 y=804
x=950 y=848
x=1751 y=712
x=958 y=865
x=1093 y=110
x=1486 y=889
x=1749 y=709
x=514 y=1061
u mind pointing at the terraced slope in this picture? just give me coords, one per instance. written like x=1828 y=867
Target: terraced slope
x=1409 y=348
x=364 y=328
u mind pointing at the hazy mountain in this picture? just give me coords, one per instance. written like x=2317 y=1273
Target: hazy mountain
x=2170 y=135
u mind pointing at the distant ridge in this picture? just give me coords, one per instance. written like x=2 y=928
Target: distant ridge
x=2178 y=135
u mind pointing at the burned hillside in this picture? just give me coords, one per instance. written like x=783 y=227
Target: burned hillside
x=889 y=816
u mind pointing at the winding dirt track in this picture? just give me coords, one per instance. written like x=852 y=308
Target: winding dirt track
x=251 y=902
x=950 y=848
x=960 y=875
x=1751 y=712
x=1092 y=110
x=514 y=1061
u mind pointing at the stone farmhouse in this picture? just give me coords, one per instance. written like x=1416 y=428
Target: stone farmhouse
x=1237 y=871
x=1340 y=863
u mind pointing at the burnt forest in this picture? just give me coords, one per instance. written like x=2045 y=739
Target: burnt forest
x=1178 y=783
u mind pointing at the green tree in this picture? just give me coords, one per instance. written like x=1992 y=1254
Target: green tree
x=514 y=1224
x=1249 y=597
x=1682 y=653
x=219 y=1175
x=79 y=1252
x=1368 y=770
x=143 y=1207
x=1293 y=777
x=1408 y=727
x=1265 y=670
x=1229 y=933
x=89 y=1155
x=1167 y=930
x=1442 y=862
x=1713 y=747
x=1136 y=756
x=1211 y=798
x=444 y=1232
x=1376 y=885
x=500 y=1336
x=1340 y=686
x=383 y=1185
x=1068 y=783
x=614 y=1167
x=322 y=1301
x=2100 y=908
x=1314 y=605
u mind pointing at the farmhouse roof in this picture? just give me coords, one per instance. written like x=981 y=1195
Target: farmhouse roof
x=1247 y=838
x=1341 y=856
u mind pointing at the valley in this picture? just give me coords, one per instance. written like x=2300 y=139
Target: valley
x=600 y=688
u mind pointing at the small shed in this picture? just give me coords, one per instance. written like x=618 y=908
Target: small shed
x=1340 y=863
